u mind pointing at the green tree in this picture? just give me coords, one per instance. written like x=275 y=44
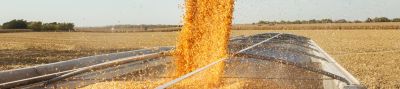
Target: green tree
x=16 y=24
x=283 y=22
x=369 y=20
x=312 y=21
x=297 y=22
x=304 y=22
x=262 y=22
x=396 y=20
x=341 y=21
x=327 y=21
x=50 y=26
x=70 y=26
x=357 y=21
x=35 y=26
x=65 y=26
x=381 y=19
x=62 y=26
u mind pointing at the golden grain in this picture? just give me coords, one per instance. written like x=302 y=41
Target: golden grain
x=204 y=38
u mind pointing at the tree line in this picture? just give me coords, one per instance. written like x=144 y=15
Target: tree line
x=313 y=21
x=38 y=25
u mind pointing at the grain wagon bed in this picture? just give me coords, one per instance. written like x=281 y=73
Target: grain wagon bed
x=269 y=60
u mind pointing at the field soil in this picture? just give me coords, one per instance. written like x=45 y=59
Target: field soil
x=19 y=50
x=371 y=55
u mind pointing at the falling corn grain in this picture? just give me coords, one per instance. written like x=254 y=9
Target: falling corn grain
x=204 y=36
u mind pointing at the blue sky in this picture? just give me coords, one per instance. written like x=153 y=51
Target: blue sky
x=109 y=12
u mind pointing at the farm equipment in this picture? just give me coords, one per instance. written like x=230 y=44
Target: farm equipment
x=268 y=60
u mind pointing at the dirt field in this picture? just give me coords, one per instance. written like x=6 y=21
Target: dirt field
x=26 y=49
x=371 y=55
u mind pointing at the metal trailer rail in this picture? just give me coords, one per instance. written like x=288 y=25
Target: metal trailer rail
x=353 y=82
x=312 y=69
x=25 y=76
x=107 y=64
x=40 y=70
x=334 y=70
